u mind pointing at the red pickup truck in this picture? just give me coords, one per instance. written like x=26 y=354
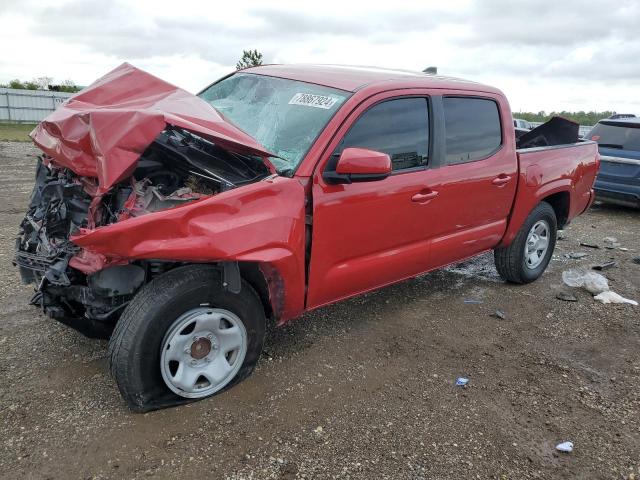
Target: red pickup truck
x=179 y=225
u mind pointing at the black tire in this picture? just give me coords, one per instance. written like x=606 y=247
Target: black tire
x=510 y=260
x=134 y=348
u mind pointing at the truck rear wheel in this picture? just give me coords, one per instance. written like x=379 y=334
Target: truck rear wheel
x=527 y=257
x=183 y=338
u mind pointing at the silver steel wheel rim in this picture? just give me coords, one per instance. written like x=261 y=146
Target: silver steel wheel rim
x=537 y=244
x=202 y=351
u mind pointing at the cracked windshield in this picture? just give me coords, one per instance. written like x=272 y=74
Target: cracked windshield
x=285 y=116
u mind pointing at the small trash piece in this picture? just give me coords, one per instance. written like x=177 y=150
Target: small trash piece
x=636 y=260
x=576 y=255
x=567 y=297
x=499 y=314
x=592 y=282
x=561 y=235
x=613 y=297
x=604 y=266
x=590 y=245
x=461 y=381
x=473 y=301
x=610 y=242
x=566 y=447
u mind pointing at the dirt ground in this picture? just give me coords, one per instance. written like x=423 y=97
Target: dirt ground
x=361 y=389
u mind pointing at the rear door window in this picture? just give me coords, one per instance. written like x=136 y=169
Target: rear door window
x=617 y=135
x=399 y=128
x=472 y=129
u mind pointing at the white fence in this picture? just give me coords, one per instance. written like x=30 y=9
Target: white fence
x=28 y=106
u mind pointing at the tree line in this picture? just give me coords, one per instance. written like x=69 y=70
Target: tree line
x=43 y=83
x=583 y=118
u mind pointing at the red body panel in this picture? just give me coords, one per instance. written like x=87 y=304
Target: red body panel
x=262 y=222
x=372 y=79
x=545 y=171
x=372 y=234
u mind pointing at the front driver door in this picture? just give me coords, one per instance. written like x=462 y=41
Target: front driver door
x=366 y=235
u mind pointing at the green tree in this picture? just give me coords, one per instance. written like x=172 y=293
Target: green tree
x=15 y=83
x=67 y=86
x=32 y=85
x=250 y=58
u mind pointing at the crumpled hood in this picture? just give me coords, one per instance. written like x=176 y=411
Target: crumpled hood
x=102 y=131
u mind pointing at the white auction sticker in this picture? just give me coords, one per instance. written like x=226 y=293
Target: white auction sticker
x=311 y=100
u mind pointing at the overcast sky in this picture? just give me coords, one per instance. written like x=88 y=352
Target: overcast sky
x=545 y=55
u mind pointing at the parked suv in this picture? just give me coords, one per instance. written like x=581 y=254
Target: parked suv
x=619 y=144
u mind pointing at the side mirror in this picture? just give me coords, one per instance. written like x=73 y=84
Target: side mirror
x=359 y=165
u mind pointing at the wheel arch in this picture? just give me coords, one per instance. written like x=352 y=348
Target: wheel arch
x=560 y=202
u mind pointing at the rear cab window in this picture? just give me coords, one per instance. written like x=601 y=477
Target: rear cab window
x=472 y=129
x=397 y=127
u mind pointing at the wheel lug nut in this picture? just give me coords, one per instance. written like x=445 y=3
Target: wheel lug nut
x=195 y=339
x=208 y=360
x=193 y=362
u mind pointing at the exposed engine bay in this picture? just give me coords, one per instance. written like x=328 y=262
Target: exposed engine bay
x=179 y=167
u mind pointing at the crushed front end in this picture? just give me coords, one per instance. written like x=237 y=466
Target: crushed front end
x=58 y=207
x=85 y=290
x=129 y=145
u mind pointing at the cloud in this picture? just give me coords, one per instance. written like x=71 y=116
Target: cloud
x=553 y=48
x=558 y=23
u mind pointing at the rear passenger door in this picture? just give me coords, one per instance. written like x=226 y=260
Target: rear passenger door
x=476 y=179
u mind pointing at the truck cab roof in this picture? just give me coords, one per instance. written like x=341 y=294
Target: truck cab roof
x=354 y=78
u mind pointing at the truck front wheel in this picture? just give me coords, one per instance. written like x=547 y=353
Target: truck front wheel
x=527 y=257
x=184 y=337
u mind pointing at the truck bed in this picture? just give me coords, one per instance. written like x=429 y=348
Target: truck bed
x=564 y=172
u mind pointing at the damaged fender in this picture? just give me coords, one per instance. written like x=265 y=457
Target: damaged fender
x=261 y=222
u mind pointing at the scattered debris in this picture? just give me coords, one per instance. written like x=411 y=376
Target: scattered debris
x=472 y=301
x=610 y=242
x=595 y=284
x=589 y=245
x=592 y=282
x=604 y=266
x=461 y=381
x=499 y=314
x=576 y=255
x=318 y=429
x=561 y=235
x=636 y=260
x=567 y=297
x=623 y=249
x=566 y=447
x=613 y=297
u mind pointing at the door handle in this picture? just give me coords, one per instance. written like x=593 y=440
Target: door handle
x=424 y=197
x=501 y=179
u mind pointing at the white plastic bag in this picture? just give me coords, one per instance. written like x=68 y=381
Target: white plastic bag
x=566 y=447
x=613 y=297
x=592 y=282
